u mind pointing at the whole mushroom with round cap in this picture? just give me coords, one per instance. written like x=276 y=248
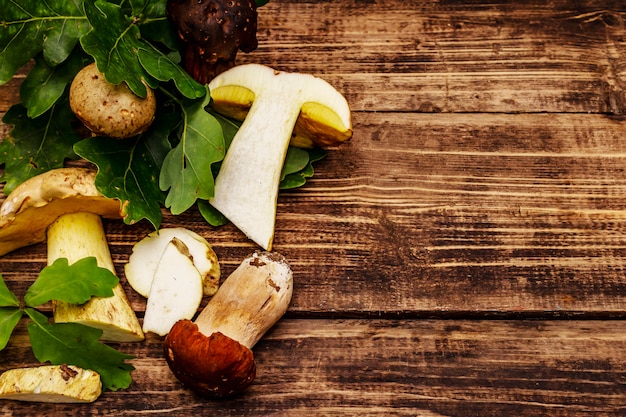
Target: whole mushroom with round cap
x=64 y=207
x=213 y=355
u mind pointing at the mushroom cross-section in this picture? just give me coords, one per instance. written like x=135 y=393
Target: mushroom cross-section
x=246 y=187
x=212 y=355
x=64 y=207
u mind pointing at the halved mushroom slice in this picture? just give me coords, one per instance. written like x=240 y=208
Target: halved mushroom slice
x=176 y=291
x=64 y=207
x=246 y=187
x=142 y=263
x=51 y=384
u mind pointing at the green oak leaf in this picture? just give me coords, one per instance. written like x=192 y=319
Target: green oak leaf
x=37 y=145
x=127 y=172
x=33 y=26
x=186 y=173
x=75 y=283
x=79 y=345
x=211 y=214
x=7 y=298
x=148 y=9
x=9 y=317
x=46 y=84
x=298 y=178
x=114 y=42
x=296 y=160
x=163 y=68
x=229 y=126
x=129 y=169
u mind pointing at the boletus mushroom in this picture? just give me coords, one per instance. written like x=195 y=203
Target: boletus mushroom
x=213 y=31
x=51 y=384
x=274 y=106
x=108 y=109
x=213 y=355
x=64 y=206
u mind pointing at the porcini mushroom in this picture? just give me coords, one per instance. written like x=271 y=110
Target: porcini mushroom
x=108 y=109
x=213 y=355
x=64 y=207
x=246 y=187
x=148 y=253
x=51 y=384
x=176 y=289
x=212 y=32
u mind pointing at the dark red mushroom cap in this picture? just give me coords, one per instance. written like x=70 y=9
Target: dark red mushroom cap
x=213 y=366
x=213 y=31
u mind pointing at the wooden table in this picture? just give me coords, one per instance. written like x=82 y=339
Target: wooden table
x=463 y=255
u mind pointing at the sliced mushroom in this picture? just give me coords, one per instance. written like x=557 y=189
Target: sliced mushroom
x=51 y=384
x=246 y=187
x=64 y=207
x=142 y=263
x=176 y=291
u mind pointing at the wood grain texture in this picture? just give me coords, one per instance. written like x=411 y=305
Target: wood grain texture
x=463 y=255
x=390 y=367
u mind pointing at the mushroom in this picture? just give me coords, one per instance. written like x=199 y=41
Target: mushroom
x=212 y=32
x=213 y=355
x=108 y=109
x=176 y=289
x=246 y=187
x=64 y=207
x=148 y=253
x=51 y=384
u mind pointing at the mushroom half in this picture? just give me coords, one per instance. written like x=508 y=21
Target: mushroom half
x=64 y=207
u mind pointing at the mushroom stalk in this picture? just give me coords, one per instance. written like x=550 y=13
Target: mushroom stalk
x=76 y=236
x=246 y=188
x=213 y=354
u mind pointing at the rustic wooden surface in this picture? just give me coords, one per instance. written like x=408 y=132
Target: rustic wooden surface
x=463 y=255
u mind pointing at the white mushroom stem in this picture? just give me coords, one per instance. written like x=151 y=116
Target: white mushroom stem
x=76 y=236
x=246 y=188
x=250 y=301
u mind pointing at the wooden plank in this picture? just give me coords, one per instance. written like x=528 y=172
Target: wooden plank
x=384 y=367
x=454 y=56
x=485 y=180
x=451 y=56
x=464 y=214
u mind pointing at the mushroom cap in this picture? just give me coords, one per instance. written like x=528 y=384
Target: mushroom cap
x=36 y=203
x=213 y=31
x=319 y=123
x=213 y=366
x=107 y=109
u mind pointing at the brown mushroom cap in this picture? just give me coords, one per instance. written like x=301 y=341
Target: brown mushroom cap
x=213 y=366
x=213 y=31
x=36 y=203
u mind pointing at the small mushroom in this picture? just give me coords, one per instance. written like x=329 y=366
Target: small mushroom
x=246 y=187
x=64 y=207
x=212 y=32
x=108 y=109
x=213 y=355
